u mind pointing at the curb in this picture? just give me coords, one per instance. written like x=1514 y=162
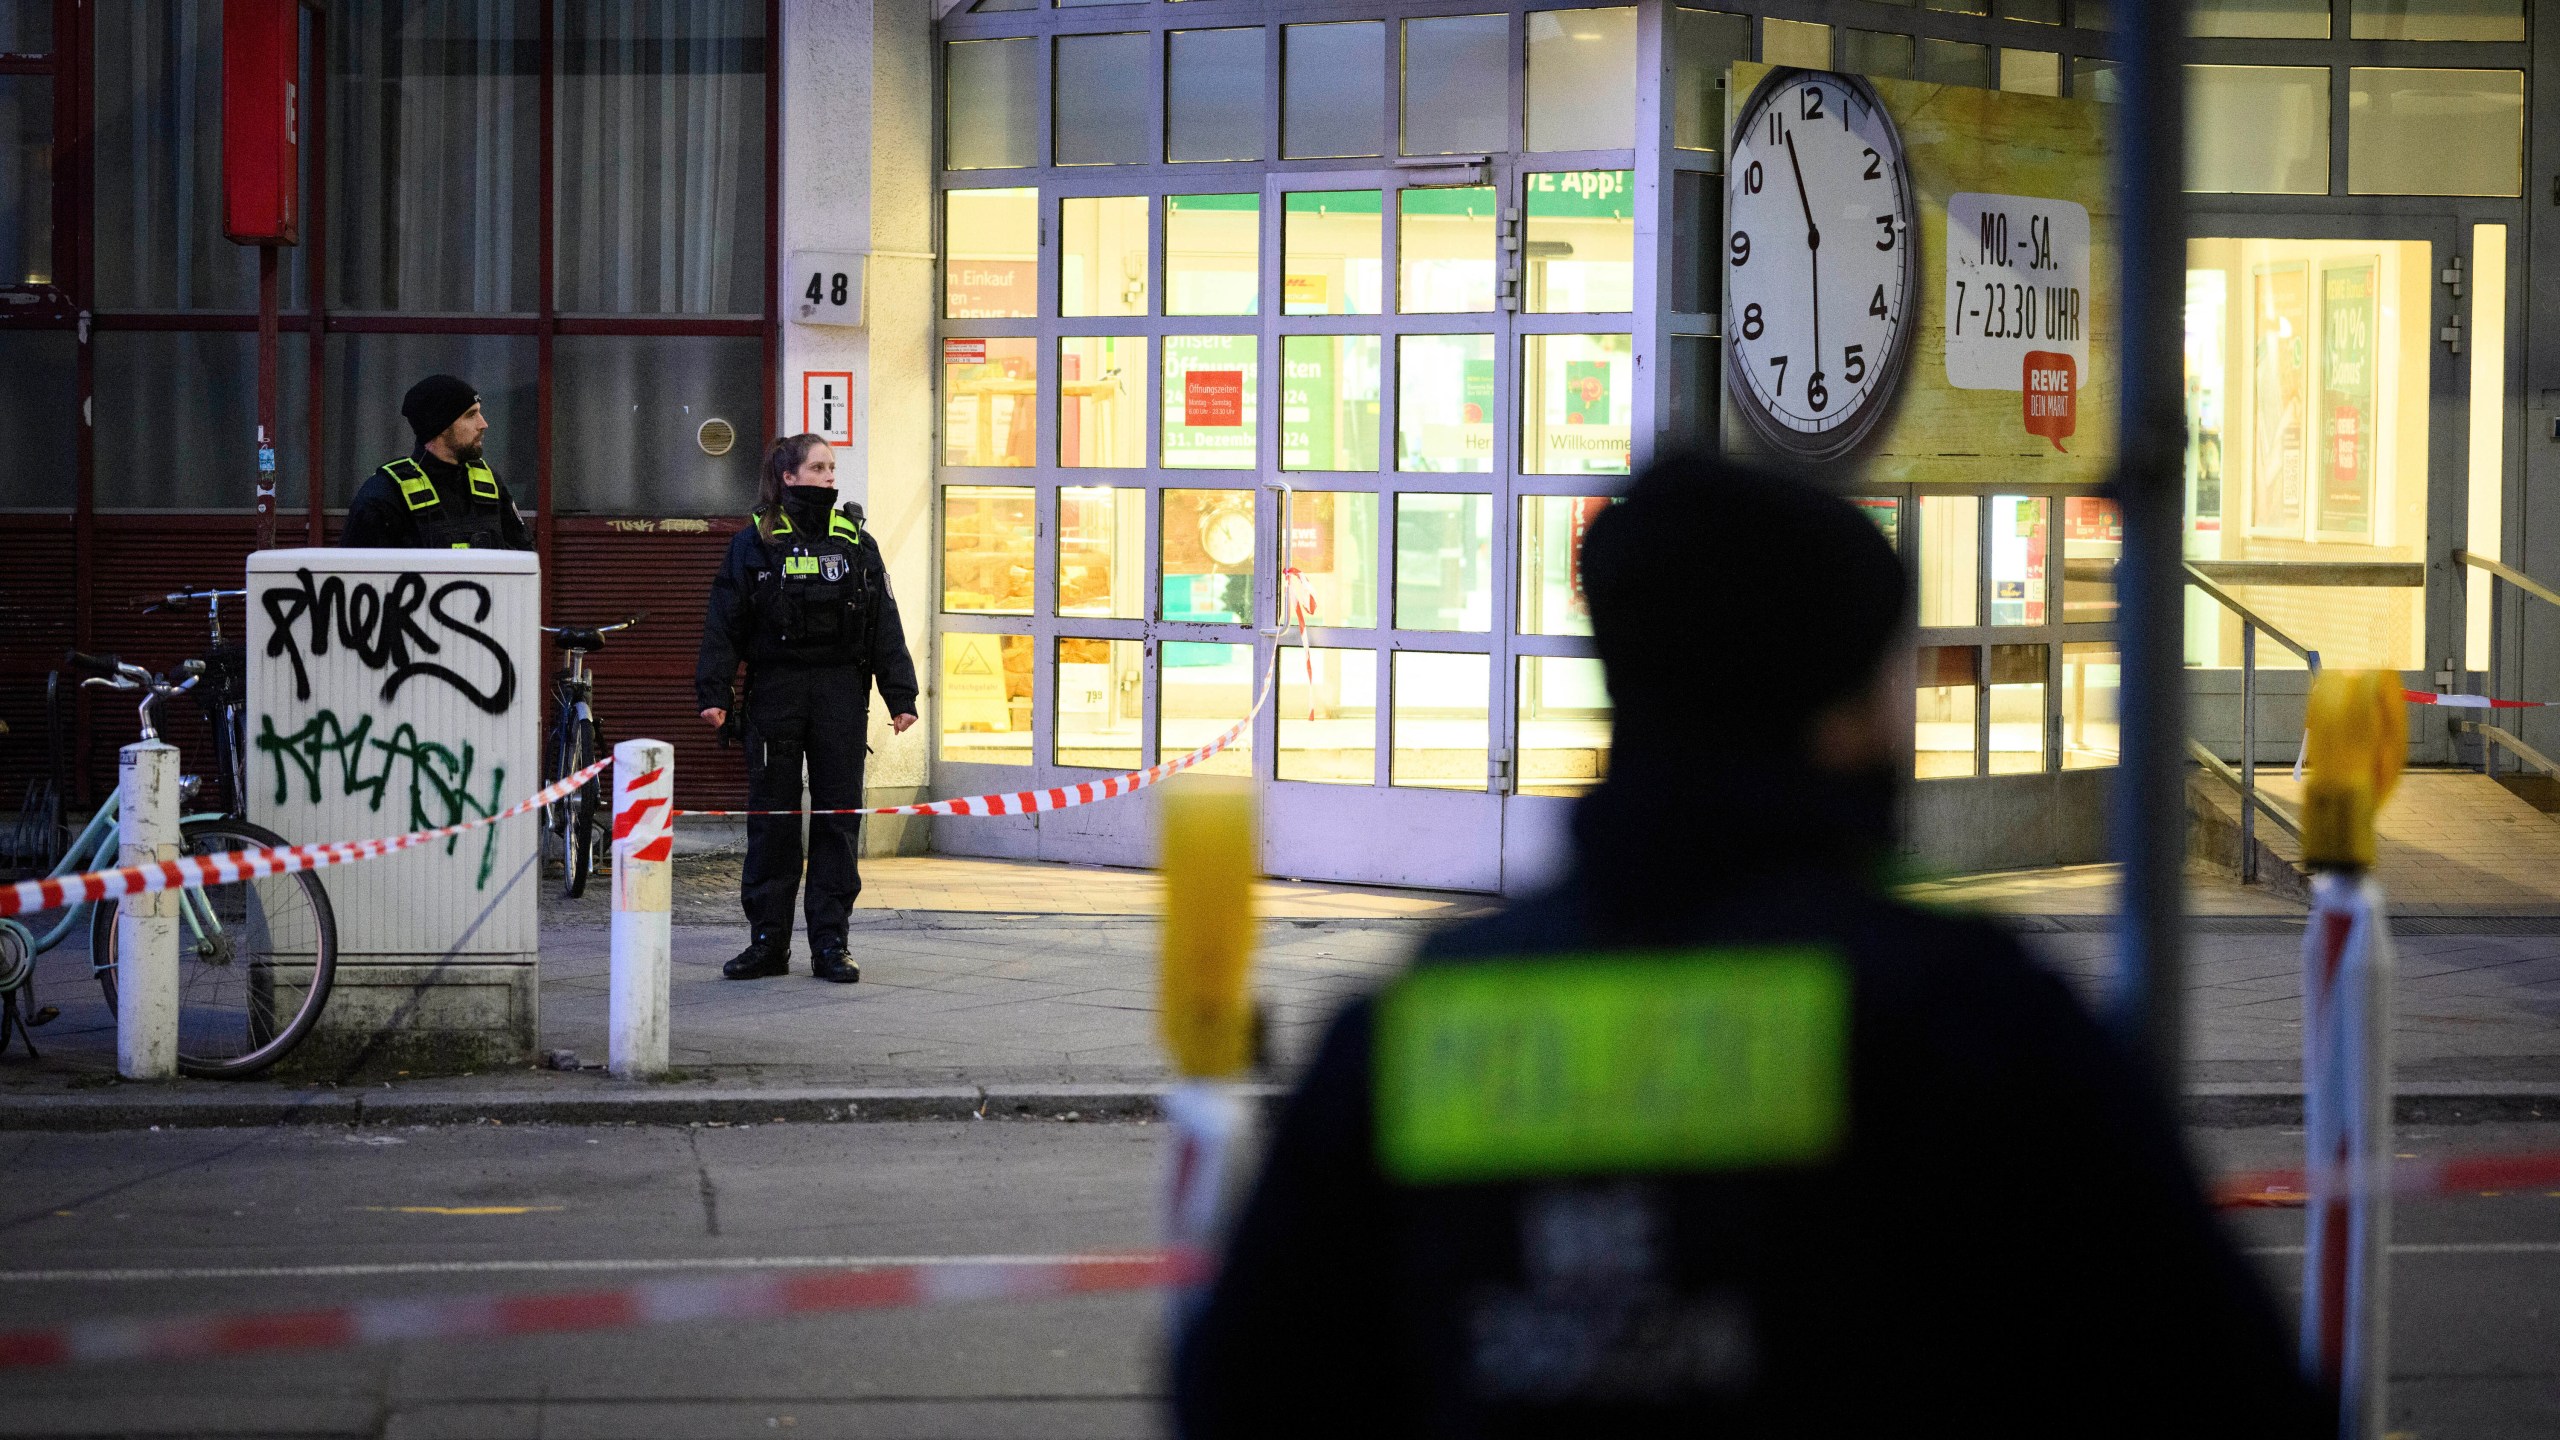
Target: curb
x=2214 y=1106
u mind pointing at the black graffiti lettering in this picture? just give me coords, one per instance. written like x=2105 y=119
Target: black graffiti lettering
x=383 y=631
x=494 y=702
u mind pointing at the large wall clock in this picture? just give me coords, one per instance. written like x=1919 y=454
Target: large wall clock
x=1822 y=266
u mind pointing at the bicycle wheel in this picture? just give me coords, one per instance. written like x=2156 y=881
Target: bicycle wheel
x=578 y=844
x=555 y=755
x=255 y=959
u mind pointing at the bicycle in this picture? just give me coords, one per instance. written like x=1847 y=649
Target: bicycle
x=575 y=745
x=256 y=958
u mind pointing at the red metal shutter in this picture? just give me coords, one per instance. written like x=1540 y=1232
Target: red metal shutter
x=605 y=569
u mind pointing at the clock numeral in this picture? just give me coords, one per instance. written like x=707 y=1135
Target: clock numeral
x=1815 y=393
x=1809 y=103
x=1875 y=166
x=1741 y=247
x=1752 y=325
x=1780 y=361
x=1854 y=366
x=1886 y=221
x=1751 y=179
x=1960 y=289
x=1777 y=132
x=1876 y=306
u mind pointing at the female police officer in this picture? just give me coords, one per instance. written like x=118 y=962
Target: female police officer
x=803 y=599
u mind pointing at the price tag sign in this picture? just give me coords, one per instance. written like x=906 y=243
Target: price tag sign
x=826 y=286
x=2017 y=282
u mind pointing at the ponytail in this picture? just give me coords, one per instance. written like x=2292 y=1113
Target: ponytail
x=781 y=462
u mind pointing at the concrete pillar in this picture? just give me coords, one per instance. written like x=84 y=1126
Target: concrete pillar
x=147 y=925
x=644 y=787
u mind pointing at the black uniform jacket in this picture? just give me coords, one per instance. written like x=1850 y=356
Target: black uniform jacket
x=742 y=621
x=378 y=517
x=2010 y=1242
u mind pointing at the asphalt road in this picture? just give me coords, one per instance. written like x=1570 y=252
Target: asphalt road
x=180 y=1221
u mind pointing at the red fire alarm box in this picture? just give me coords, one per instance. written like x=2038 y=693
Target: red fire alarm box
x=261 y=121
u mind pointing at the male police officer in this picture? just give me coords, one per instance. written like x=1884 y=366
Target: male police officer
x=803 y=599
x=1717 y=1137
x=442 y=495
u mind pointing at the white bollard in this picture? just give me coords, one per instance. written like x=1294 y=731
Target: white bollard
x=2347 y=1115
x=147 y=925
x=644 y=797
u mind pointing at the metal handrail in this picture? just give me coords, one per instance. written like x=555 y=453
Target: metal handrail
x=2517 y=578
x=2533 y=758
x=2221 y=770
x=2246 y=781
x=2491 y=733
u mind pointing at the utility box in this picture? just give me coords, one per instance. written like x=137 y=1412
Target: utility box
x=391 y=691
x=261 y=121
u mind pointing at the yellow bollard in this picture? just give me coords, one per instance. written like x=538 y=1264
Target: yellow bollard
x=2355 y=740
x=1208 y=867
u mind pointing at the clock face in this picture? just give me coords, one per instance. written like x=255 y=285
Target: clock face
x=1821 y=266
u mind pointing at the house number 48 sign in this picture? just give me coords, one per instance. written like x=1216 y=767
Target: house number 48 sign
x=826 y=287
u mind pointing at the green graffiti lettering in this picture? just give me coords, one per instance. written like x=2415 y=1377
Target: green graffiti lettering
x=437 y=777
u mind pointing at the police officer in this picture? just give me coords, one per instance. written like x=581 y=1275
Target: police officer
x=442 y=495
x=803 y=599
x=1717 y=1137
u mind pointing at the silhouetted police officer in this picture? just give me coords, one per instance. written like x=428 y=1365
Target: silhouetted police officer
x=1717 y=1137
x=803 y=599
x=441 y=495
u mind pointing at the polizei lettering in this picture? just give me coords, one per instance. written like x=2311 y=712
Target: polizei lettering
x=384 y=631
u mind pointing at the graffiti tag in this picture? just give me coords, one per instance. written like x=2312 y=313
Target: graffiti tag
x=438 y=778
x=384 y=631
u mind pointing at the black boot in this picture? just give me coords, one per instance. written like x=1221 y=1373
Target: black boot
x=829 y=962
x=760 y=959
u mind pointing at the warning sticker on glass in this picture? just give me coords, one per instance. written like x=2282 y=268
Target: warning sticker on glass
x=2017 y=284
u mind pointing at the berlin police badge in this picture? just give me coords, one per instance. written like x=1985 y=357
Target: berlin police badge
x=833 y=568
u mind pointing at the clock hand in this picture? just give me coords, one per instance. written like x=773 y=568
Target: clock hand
x=1813 y=250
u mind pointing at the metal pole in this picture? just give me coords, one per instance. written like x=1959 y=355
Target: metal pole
x=2150 y=804
x=2248 y=753
x=267 y=436
x=147 y=924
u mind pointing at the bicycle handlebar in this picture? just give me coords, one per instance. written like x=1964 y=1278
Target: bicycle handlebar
x=600 y=629
x=154 y=604
x=105 y=667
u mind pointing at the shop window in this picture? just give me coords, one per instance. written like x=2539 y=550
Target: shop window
x=2033 y=12
x=1564 y=724
x=1697 y=275
x=201 y=390
x=1945 y=62
x=991 y=270
x=1950 y=551
x=1705 y=45
x=989 y=89
x=1329 y=402
x=627 y=417
x=2092 y=544
x=1958 y=7
x=1577 y=407
x=1331 y=244
x=1551 y=531
x=2020 y=540
x=1333 y=99
x=2097 y=14
x=2487 y=356
x=1579 y=239
x=2092 y=683
x=1102 y=254
x=1102 y=694
x=1102 y=402
x=2258 y=129
x=1442 y=726
x=1582 y=79
x=38 y=369
x=1872 y=52
x=990 y=407
x=1886 y=512
x=2031 y=72
x=2016 y=728
x=987 y=536
x=363 y=379
x=1213 y=95
x=2478 y=20
x=2095 y=79
x=1693 y=415
x=1099 y=107
x=1102 y=552
x=1796 y=42
x=661 y=147
x=1444 y=403
x=2435 y=132
x=2260 y=19
x=26 y=179
x=1457 y=85
x=1444 y=562
x=1949 y=682
x=985 y=699
x=1208 y=556
x=1212 y=254
x=1201 y=691
x=1211 y=389
x=1328 y=716
x=26 y=28
x=1333 y=543
x=1446 y=240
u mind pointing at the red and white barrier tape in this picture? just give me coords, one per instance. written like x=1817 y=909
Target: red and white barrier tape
x=2471 y=702
x=2435 y=1178
x=766 y=1296
x=233 y=866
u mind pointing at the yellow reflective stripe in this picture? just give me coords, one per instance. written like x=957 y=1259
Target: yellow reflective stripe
x=416 y=489
x=799 y=564
x=841 y=526
x=781 y=522
x=1700 y=1061
x=461 y=545
x=484 y=482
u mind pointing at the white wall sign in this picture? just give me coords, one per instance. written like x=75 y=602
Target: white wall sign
x=826 y=286
x=2017 y=283
x=826 y=405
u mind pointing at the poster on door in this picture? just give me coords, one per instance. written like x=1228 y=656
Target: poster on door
x=2279 y=396
x=2347 y=325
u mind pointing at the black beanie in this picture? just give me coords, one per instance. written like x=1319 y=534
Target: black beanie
x=1730 y=604
x=433 y=404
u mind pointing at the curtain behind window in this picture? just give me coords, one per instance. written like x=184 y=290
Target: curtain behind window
x=660 y=116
